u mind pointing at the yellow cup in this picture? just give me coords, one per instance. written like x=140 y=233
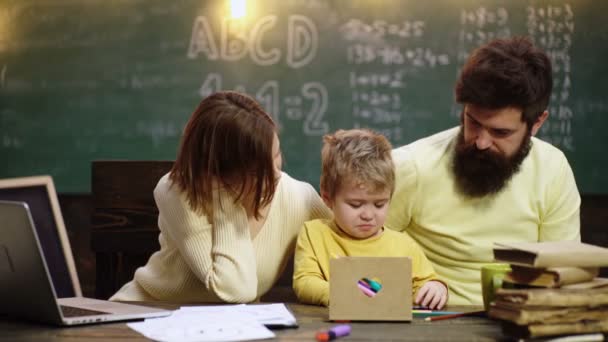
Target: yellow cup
x=491 y=279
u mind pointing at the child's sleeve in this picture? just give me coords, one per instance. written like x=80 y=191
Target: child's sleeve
x=309 y=283
x=422 y=269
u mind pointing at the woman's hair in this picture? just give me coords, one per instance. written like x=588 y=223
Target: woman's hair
x=507 y=73
x=227 y=143
x=359 y=155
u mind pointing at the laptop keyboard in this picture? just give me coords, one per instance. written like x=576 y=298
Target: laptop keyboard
x=70 y=311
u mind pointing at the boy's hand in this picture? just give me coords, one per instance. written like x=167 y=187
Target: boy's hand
x=433 y=295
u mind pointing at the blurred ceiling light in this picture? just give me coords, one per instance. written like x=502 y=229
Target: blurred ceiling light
x=238 y=9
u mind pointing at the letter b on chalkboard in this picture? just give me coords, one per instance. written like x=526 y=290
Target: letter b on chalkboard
x=237 y=40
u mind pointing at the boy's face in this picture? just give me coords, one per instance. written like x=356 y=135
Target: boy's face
x=359 y=211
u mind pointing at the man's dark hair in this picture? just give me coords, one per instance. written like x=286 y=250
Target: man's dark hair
x=507 y=73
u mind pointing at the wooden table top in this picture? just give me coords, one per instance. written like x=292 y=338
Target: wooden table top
x=310 y=319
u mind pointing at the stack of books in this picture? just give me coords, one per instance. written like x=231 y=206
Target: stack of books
x=553 y=289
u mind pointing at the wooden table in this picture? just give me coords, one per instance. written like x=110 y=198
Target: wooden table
x=310 y=318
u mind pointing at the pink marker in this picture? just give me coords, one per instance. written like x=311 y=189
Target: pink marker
x=366 y=290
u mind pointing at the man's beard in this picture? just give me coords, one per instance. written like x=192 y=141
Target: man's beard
x=480 y=173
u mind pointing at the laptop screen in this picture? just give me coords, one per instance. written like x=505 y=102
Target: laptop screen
x=37 y=198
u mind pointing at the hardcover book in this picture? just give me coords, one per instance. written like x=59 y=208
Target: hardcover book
x=554 y=297
x=551 y=254
x=545 y=315
x=542 y=330
x=550 y=277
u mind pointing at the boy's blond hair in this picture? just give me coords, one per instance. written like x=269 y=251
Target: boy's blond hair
x=359 y=155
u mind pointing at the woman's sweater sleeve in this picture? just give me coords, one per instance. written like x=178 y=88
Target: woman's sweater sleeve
x=221 y=253
x=318 y=209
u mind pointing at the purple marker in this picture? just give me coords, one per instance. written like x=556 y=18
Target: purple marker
x=333 y=333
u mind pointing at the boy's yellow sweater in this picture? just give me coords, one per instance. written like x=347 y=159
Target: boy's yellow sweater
x=320 y=240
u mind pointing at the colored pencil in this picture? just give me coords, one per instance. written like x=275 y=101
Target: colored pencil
x=425 y=313
x=456 y=315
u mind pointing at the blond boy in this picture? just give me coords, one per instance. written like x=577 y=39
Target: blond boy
x=357 y=182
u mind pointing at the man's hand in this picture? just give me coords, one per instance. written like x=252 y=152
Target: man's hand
x=433 y=295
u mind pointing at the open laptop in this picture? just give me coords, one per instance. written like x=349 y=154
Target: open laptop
x=390 y=301
x=37 y=269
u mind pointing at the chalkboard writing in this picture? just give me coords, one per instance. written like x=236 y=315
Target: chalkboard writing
x=117 y=79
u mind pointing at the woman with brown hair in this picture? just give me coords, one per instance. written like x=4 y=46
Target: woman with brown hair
x=228 y=215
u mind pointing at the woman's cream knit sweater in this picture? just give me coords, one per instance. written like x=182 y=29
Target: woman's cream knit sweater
x=203 y=262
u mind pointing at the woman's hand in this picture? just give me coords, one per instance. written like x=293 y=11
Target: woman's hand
x=433 y=295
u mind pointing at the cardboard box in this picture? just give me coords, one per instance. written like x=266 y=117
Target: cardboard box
x=392 y=303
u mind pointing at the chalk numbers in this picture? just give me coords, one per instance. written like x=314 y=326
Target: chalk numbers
x=310 y=106
x=552 y=28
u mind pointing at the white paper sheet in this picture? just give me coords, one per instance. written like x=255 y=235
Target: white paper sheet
x=216 y=323
x=268 y=314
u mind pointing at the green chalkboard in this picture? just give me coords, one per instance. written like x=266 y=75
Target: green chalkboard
x=117 y=79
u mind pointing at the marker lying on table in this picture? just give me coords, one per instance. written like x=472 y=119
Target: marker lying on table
x=333 y=333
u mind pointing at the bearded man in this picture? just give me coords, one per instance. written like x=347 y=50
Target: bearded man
x=489 y=180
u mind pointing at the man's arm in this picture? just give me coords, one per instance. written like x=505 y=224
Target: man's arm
x=561 y=219
x=406 y=182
